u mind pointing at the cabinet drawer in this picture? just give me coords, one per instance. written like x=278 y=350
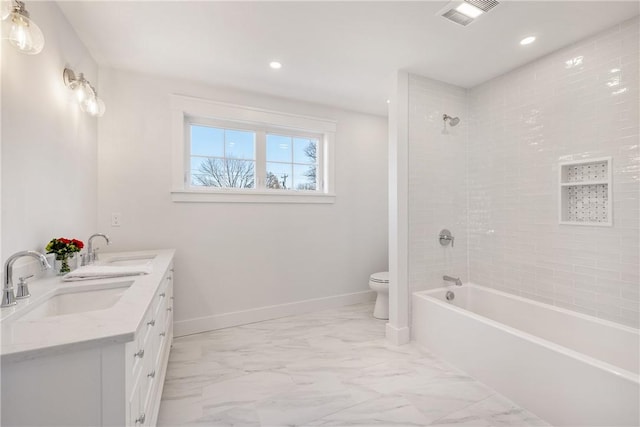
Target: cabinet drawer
x=147 y=381
x=169 y=311
x=136 y=352
x=163 y=337
x=142 y=348
x=146 y=344
x=163 y=295
x=137 y=417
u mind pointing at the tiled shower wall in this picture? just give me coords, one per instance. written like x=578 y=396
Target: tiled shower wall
x=437 y=183
x=580 y=102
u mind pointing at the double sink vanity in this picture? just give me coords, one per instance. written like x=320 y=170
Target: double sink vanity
x=91 y=352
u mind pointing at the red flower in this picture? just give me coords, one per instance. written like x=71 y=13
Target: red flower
x=63 y=248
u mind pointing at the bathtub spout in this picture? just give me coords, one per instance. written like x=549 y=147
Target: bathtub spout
x=455 y=280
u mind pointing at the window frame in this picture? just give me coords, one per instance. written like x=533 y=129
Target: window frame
x=189 y=110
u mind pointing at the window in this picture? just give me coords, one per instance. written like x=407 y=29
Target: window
x=222 y=158
x=292 y=163
x=228 y=153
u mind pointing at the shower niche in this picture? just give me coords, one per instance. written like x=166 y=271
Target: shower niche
x=585 y=192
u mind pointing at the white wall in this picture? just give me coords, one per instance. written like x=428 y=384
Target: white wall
x=235 y=257
x=437 y=183
x=397 y=329
x=570 y=105
x=49 y=177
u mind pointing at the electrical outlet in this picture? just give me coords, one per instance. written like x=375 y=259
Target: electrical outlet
x=115 y=219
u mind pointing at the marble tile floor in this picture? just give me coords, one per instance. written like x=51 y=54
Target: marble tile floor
x=327 y=368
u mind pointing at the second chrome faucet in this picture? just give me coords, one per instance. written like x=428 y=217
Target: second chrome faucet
x=90 y=256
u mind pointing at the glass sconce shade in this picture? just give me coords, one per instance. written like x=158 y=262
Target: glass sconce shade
x=85 y=93
x=22 y=32
x=101 y=107
x=93 y=106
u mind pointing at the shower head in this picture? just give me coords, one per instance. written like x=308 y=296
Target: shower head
x=453 y=121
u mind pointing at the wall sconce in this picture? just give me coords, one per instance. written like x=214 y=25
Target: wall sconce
x=85 y=93
x=22 y=32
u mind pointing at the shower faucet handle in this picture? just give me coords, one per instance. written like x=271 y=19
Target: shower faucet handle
x=445 y=237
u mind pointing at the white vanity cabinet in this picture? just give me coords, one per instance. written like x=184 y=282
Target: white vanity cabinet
x=113 y=378
x=147 y=357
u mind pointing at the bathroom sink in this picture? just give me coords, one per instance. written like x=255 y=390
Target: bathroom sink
x=129 y=260
x=78 y=300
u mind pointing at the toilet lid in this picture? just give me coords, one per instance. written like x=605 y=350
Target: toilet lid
x=381 y=277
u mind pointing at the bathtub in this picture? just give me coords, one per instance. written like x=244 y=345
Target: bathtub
x=565 y=367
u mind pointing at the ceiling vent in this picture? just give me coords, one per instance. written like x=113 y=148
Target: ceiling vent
x=464 y=12
x=457 y=17
x=483 y=5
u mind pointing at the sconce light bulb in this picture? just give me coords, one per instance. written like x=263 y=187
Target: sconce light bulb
x=83 y=91
x=19 y=35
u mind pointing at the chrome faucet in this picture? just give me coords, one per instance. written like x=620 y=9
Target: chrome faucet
x=90 y=256
x=455 y=280
x=8 y=297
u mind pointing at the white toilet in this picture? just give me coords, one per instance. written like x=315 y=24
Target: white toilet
x=379 y=282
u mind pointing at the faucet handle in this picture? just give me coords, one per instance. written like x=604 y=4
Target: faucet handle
x=23 y=288
x=445 y=237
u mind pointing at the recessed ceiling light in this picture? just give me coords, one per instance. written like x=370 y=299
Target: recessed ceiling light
x=388 y=101
x=469 y=10
x=527 y=40
x=275 y=65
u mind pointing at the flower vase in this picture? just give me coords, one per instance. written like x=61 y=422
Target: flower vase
x=62 y=265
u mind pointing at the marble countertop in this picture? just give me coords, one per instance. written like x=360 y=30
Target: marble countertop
x=24 y=338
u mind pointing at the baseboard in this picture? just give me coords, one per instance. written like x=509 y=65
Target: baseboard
x=237 y=318
x=398 y=336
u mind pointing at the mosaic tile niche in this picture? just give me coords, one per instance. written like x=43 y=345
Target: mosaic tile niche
x=585 y=192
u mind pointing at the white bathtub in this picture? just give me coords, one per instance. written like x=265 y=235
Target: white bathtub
x=565 y=367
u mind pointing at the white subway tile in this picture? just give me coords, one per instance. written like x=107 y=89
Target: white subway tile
x=524 y=123
x=494 y=178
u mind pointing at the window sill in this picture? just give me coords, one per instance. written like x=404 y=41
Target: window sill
x=195 y=196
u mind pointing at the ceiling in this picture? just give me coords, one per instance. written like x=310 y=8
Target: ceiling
x=335 y=53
